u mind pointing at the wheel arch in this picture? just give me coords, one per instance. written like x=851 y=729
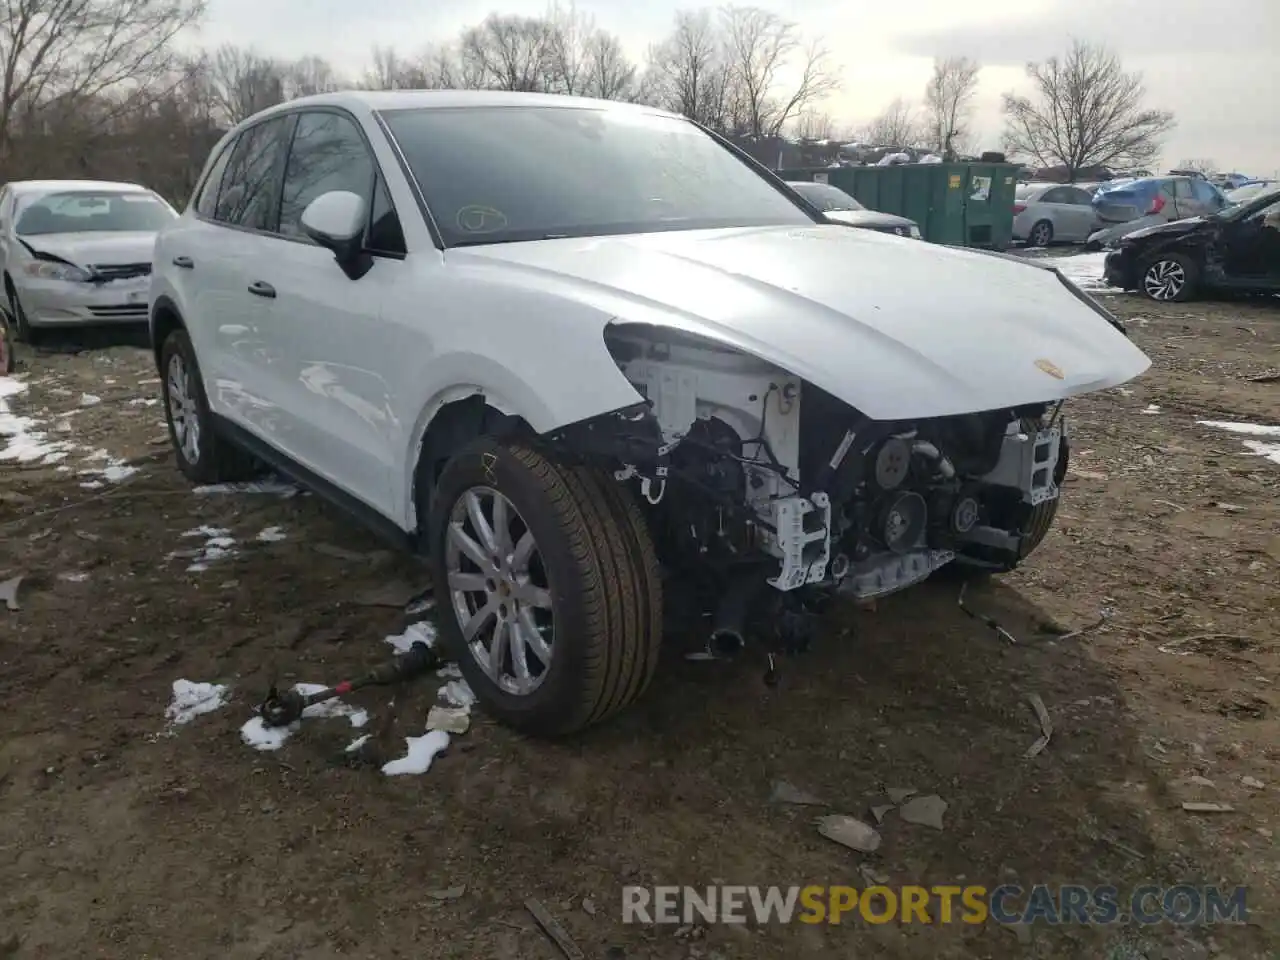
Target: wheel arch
x=165 y=318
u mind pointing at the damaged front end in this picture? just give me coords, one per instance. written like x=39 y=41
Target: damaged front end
x=747 y=470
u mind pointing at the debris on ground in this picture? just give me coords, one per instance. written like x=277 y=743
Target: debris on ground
x=1197 y=806
x=552 y=928
x=449 y=719
x=983 y=618
x=784 y=792
x=1253 y=783
x=850 y=832
x=1046 y=725
x=897 y=794
x=925 y=811
x=456 y=693
x=448 y=893
x=394 y=593
x=879 y=811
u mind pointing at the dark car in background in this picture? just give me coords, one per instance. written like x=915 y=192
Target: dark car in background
x=838 y=207
x=1136 y=204
x=1236 y=250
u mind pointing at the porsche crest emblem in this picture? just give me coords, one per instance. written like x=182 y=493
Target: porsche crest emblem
x=1051 y=368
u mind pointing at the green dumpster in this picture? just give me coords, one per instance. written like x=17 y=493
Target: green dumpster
x=961 y=204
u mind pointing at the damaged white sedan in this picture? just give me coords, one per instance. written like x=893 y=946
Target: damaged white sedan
x=563 y=345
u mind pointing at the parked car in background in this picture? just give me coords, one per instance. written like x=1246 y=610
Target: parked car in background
x=1236 y=250
x=76 y=252
x=1045 y=213
x=611 y=347
x=838 y=207
x=1249 y=190
x=1142 y=203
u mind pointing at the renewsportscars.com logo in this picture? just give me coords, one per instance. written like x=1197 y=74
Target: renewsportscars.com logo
x=1053 y=905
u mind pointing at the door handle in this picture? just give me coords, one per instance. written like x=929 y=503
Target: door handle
x=260 y=288
x=186 y=263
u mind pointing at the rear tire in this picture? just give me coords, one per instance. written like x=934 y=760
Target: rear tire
x=572 y=584
x=202 y=455
x=1040 y=234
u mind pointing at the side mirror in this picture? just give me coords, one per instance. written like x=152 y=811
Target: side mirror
x=336 y=221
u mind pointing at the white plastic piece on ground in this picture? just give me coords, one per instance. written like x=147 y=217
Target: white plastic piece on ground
x=1152 y=408
x=75 y=576
x=1262 y=448
x=357 y=743
x=191 y=700
x=333 y=707
x=271 y=535
x=421 y=751
x=89 y=400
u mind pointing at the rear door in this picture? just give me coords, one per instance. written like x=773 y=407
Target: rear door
x=1184 y=200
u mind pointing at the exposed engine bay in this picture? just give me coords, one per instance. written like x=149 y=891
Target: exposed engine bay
x=741 y=462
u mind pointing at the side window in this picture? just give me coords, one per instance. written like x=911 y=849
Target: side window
x=1182 y=189
x=250 y=183
x=1079 y=197
x=1056 y=195
x=207 y=201
x=328 y=153
x=385 y=235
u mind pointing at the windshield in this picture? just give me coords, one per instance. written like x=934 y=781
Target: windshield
x=824 y=196
x=94 y=211
x=507 y=174
x=1251 y=206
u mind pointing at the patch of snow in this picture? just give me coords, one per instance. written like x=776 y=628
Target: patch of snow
x=1261 y=448
x=190 y=700
x=75 y=576
x=422 y=631
x=449 y=671
x=258 y=735
x=333 y=707
x=1152 y=408
x=218 y=546
x=276 y=487
x=261 y=737
x=93 y=484
x=143 y=402
x=1085 y=270
x=420 y=752
x=271 y=535
x=118 y=471
x=457 y=694
x=357 y=743
x=89 y=400
x=24 y=442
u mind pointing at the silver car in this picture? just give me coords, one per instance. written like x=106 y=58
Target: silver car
x=77 y=252
x=1045 y=213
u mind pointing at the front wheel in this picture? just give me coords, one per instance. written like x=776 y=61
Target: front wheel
x=1041 y=234
x=7 y=362
x=548 y=587
x=1170 y=278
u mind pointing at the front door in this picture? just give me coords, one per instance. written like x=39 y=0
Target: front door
x=1251 y=248
x=326 y=328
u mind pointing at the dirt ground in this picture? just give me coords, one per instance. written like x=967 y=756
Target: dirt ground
x=121 y=839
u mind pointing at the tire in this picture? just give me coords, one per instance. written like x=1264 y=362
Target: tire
x=202 y=455
x=22 y=329
x=592 y=570
x=1169 y=278
x=1040 y=234
x=7 y=361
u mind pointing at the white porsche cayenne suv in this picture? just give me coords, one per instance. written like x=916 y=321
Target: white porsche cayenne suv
x=564 y=346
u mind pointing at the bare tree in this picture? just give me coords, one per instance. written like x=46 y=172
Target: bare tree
x=687 y=73
x=66 y=52
x=310 y=75
x=607 y=73
x=508 y=52
x=812 y=125
x=897 y=126
x=948 y=103
x=390 y=71
x=567 y=31
x=1086 y=111
x=759 y=48
x=1201 y=165
x=242 y=82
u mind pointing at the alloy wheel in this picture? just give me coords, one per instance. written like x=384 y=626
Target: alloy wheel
x=1164 y=280
x=499 y=590
x=1040 y=235
x=183 y=413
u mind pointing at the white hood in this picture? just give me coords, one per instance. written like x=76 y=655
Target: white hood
x=897 y=328
x=96 y=247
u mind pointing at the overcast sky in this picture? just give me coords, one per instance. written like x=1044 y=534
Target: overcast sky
x=1216 y=65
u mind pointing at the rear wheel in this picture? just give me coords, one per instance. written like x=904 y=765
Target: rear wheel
x=203 y=456
x=1041 y=234
x=1170 y=278
x=547 y=584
